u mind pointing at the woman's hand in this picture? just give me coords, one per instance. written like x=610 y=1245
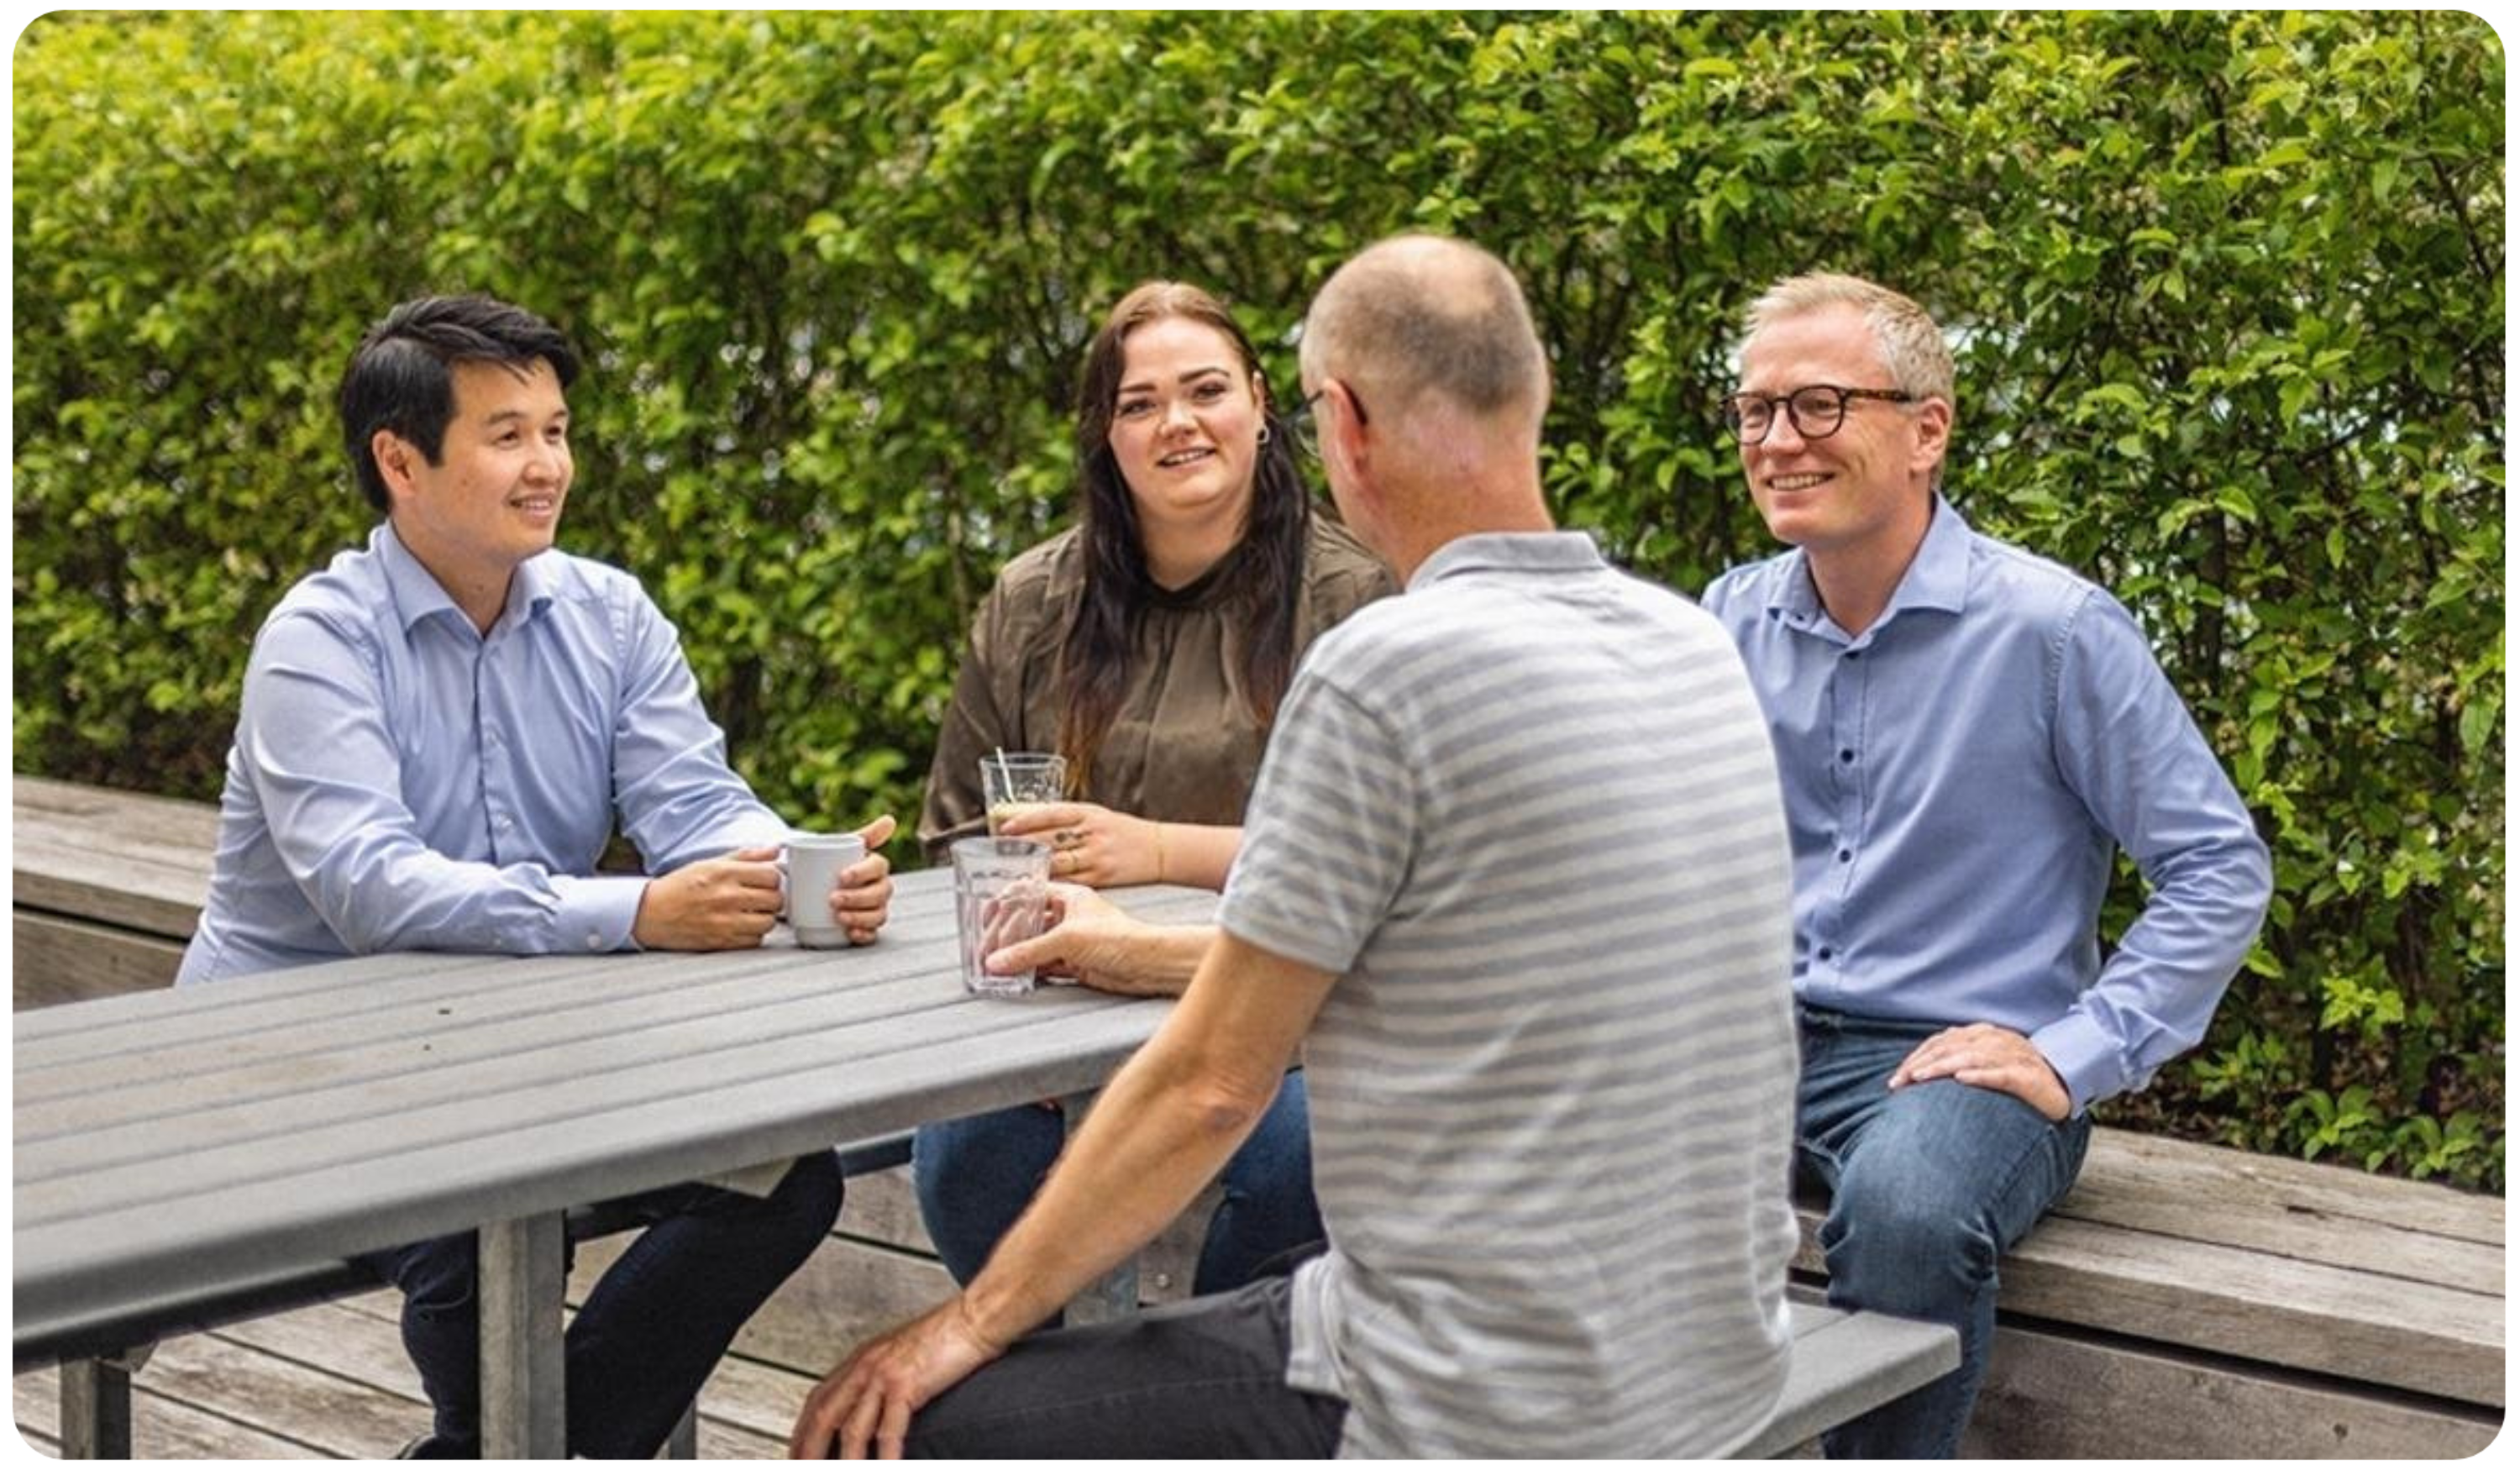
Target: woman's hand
x=1091 y=844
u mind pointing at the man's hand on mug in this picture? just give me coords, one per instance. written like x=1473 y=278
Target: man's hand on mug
x=863 y=901
x=723 y=902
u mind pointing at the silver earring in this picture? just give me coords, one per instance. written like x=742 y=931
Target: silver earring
x=1264 y=433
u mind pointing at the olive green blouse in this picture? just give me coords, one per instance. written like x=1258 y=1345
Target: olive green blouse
x=1183 y=746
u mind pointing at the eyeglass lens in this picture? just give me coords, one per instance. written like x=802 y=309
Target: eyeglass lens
x=1817 y=412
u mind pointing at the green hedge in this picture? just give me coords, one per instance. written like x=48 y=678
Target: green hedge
x=2227 y=291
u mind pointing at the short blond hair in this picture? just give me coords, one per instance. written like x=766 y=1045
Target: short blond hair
x=1912 y=347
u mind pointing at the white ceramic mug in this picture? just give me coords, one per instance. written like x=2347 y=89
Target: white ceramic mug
x=814 y=861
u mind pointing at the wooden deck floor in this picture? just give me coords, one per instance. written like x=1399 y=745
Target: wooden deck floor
x=331 y=1382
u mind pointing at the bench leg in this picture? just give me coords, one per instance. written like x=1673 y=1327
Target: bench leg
x=683 y=1444
x=1116 y=1294
x=96 y=1409
x=524 y=1373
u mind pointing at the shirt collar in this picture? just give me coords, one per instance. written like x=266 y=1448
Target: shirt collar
x=416 y=592
x=1937 y=577
x=1509 y=550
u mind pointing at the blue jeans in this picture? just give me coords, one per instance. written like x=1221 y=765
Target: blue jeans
x=976 y=1174
x=1928 y=1188
x=650 y=1331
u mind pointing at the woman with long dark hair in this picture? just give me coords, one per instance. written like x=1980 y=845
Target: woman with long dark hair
x=1149 y=645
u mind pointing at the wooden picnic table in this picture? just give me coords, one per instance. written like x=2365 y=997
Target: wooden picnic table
x=182 y=1143
x=204 y=1150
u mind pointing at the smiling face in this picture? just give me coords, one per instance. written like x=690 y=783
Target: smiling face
x=1185 y=426
x=494 y=497
x=1864 y=492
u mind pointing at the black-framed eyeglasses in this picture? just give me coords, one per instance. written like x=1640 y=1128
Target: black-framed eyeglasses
x=1307 y=429
x=1818 y=410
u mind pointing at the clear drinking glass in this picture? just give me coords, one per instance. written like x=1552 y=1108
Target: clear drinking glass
x=1020 y=778
x=1001 y=897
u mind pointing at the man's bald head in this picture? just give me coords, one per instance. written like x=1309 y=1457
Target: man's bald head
x=1418 y=315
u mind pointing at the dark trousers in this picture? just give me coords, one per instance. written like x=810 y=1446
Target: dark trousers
x=1201 y=1379
x=652 y=1328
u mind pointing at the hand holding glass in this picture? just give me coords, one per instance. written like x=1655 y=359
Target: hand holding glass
x=1020 y=778
x=1001 y=897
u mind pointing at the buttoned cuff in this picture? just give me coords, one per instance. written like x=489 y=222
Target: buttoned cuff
x=2084 y=1057
x=595 y=915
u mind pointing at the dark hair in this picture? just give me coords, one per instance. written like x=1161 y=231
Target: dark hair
x=400 y=377
x=1263 y=574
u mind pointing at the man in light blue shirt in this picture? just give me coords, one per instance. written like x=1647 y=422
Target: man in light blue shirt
x=1966 y=734
x=437 y=736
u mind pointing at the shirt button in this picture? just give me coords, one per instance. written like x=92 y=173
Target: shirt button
x=1846 y=757
x=1844 y=856
x=594 y=941
x=504 y=824
x=1827 y=954
x=1855 y=652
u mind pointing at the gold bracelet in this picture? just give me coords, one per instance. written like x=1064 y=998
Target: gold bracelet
x=1159 y=852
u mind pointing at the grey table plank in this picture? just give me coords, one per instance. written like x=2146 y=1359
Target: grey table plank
x=275 y=1012
x=1846 y=1362
x=523 y=1012
x=281 y=1143
x=201 y=1012
x=169 y=1159
x=529 y=1014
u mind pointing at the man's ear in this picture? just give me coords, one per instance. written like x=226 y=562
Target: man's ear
x=397 y=459
x=1933 y=420
x=1348 y=429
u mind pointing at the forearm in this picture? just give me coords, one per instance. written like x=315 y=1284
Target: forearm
x=1195 y=856
x=2157 y=994
x=1155 y=1139
x=1158 y=960
x=2145 y=771
x=381 y=889
x=1164 y=1128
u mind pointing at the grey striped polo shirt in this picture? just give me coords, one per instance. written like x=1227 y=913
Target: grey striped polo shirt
x=1528 y=813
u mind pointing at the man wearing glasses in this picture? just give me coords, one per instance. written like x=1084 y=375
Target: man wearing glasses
x=1966 y=734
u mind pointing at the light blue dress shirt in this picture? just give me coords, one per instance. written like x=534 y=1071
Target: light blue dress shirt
x=1956 y=778
x=401 y=780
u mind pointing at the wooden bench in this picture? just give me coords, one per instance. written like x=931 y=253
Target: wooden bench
x=2184 y=1300
x=104 y=889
